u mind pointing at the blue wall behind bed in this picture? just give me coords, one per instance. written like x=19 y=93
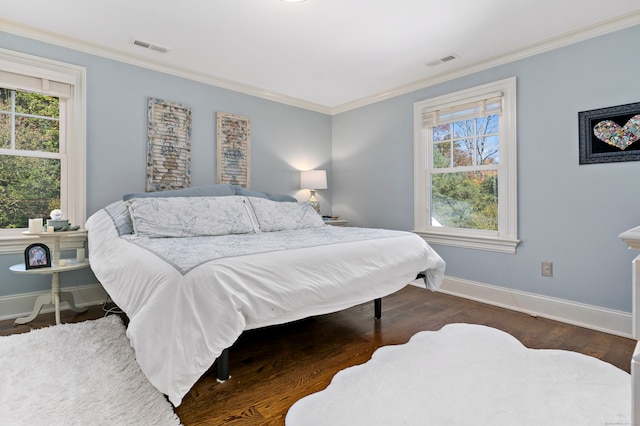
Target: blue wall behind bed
x=284 y=138
x=568 y=214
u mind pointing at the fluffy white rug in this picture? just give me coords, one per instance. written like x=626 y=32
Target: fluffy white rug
x=470 y=375
x=77 y=374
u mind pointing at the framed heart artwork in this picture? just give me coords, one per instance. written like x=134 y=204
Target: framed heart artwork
x=609 y=135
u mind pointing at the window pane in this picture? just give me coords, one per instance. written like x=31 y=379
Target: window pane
x=488 y=150
x=465 y=200
x=441 y=155
x=442 y=132
x=463 y=153
x=31 y=189
x=37 y=134
x=5 y=99
x=5 y=131
x=37 y=104
x=463 y=129
x=488 y=124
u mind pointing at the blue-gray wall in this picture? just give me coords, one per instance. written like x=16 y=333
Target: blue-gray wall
x=567 y=213
x=284 y=139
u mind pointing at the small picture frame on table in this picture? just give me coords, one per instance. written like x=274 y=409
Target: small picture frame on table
x=37 y=256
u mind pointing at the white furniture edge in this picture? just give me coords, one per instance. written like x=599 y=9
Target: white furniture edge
x=593 y=317
x=632 y=238
x=20 y=305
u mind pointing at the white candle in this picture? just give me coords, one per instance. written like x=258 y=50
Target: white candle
x=35 y=226
x=50 y=228
x=80 y=255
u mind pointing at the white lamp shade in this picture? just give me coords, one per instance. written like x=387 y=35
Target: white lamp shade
x=313 y=179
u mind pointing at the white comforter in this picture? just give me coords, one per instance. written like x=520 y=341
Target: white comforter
x=181 y=319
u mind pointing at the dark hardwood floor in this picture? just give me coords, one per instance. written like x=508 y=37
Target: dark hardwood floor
x=272 y=368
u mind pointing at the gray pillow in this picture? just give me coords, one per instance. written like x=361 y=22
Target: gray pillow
x=240 y=190
x=119 y=213
x=196 y=191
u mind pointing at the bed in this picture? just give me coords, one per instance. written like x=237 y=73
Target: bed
x=194 y=268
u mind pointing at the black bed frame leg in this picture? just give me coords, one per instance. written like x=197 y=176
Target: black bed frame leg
x=377 y=307
x=223 y=366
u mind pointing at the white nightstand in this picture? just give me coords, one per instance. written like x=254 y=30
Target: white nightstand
x=55 y=296
x=336 y=222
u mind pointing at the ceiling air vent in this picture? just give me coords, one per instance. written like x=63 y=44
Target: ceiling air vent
x=150 y=46
x=441 y=60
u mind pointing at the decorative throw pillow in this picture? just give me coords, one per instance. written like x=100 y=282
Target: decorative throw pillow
x=119 y=213
x=190 y=216
x=279 y=216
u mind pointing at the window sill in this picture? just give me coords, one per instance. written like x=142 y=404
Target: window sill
x=14 y=241
x=488 y=243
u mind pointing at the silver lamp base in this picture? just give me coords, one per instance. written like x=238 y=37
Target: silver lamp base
x=314 y=201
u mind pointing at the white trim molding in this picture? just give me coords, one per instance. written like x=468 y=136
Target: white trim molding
x=21 y=305
x=593 y=317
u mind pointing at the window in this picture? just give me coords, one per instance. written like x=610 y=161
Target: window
x=30 y=156
x=465 y=168
x=42 y=143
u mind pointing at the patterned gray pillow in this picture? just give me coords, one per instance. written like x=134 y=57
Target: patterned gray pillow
x=281 y=216
x=190 y=216
x=119 y=213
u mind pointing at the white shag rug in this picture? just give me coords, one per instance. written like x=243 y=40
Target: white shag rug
x=77 y=374
x=469 y=374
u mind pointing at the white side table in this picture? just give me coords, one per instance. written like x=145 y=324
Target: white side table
x=56 y=296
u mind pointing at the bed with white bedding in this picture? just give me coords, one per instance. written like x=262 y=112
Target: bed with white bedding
x=192 y=273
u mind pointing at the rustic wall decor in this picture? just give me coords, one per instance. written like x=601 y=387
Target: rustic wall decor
x=168 y=145
x=233 y=149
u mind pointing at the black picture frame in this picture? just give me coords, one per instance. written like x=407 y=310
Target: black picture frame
x=37 y=256
x=594 y=147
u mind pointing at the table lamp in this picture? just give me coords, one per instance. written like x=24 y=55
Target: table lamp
x=313 y=180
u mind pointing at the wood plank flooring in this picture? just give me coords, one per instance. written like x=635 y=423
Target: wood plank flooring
x=272 y=368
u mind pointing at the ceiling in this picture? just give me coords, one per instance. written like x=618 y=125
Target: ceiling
x=325 y=55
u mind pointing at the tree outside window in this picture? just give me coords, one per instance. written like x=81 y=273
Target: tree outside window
x=30 y=158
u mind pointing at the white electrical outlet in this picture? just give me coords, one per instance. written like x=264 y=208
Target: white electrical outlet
x=547 y=269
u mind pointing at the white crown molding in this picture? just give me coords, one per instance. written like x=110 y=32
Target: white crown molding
x=566 y=39
x=585 y=33
x=116 y=55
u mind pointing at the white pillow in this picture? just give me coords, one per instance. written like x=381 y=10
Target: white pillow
x=281 y=216
x=190 y=216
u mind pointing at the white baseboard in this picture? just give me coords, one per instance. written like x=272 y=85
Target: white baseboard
x=588 y=316
x=21 y=305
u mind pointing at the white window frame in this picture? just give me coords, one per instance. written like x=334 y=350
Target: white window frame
x=73 y=151
x=505 y=239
